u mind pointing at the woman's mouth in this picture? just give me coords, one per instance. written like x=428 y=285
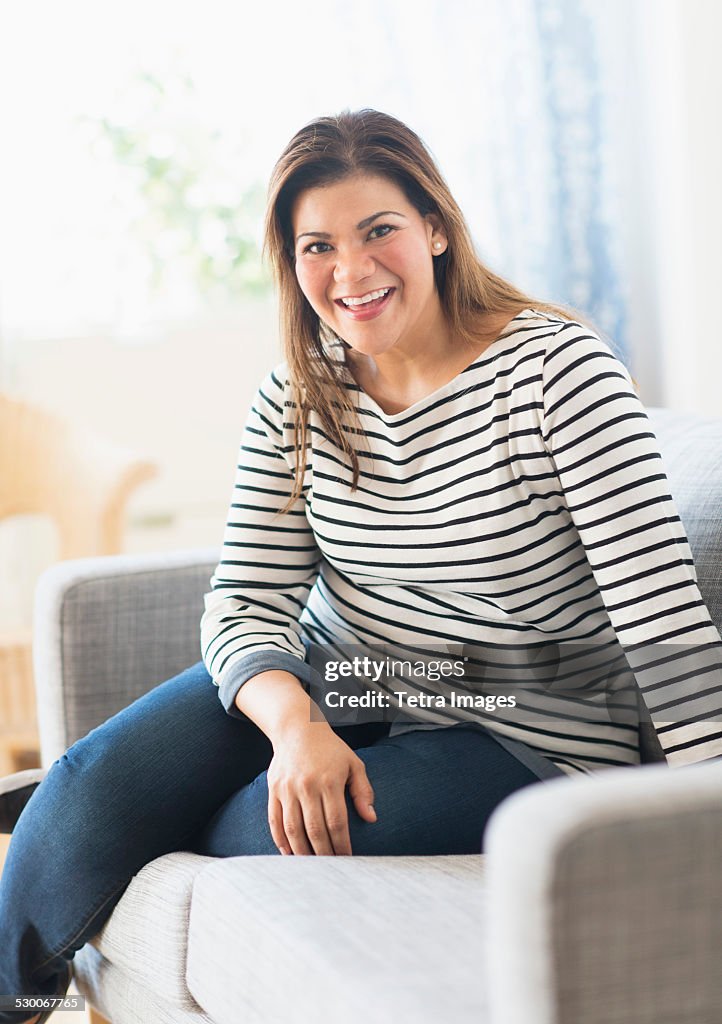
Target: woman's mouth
x=368 y=306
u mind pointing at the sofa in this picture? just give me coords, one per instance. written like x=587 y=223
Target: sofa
x=598 y=899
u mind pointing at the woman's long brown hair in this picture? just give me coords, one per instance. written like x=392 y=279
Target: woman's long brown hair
x=325 y=151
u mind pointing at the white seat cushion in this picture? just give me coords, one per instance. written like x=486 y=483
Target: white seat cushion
x=337 y=939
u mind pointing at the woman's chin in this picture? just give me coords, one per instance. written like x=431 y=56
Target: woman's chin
x=369 y=346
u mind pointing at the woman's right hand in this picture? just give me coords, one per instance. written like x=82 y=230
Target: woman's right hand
x=307 y=781
x=310 y=768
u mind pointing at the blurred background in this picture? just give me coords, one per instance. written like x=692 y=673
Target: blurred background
x=581 y=138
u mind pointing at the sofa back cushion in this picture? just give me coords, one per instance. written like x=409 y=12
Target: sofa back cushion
x=691 y=449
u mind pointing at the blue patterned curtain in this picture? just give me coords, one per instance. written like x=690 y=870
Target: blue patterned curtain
x=581 y=260
x=580 y=257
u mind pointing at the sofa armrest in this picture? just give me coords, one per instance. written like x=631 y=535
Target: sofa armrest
x=606 y=899
x=106 y=630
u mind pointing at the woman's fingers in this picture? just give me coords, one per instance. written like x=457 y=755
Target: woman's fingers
x=336 y=815
x=307 y=779
x=315 y=823
x=295 y=828
x=275 y=822
x=361 y=791
x=317 y=826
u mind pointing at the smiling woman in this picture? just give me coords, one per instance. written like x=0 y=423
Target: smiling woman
x=441 y=463
x=371 y=281
x=380 y=270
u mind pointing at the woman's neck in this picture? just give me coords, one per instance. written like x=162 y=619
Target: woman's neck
x=397 y=379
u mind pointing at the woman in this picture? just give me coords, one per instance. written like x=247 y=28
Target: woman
x=479 y=481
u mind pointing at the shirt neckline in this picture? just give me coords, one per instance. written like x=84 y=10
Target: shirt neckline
x=365 y=399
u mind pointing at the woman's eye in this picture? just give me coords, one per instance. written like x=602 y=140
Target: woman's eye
x=316 y=248
x=312 y=248
x=382 y=227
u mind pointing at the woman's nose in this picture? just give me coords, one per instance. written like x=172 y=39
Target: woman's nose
x=352 y=265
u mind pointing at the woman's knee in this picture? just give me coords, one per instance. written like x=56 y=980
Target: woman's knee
x=240 y=827
x=146 y=753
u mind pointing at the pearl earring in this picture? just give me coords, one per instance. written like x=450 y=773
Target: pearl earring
x=437 y=245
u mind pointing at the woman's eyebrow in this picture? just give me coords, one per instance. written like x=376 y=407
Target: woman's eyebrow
x=361 y=224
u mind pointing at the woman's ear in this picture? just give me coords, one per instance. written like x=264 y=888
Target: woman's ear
x=437 y=234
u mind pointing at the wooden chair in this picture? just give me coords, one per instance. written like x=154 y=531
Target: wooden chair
x=82 y=483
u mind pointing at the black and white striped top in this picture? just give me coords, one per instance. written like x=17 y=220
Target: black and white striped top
x=521 y=505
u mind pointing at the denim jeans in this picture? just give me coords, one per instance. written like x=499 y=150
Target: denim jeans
x=173 y=771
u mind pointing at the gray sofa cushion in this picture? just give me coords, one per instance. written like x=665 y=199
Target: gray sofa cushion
x=393 y=940
x=691 y=449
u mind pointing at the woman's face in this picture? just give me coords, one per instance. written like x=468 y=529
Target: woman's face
x=358 y=237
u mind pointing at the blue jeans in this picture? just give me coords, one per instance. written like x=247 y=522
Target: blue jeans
x=173 y=771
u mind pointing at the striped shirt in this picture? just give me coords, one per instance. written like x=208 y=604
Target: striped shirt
x=519 y=509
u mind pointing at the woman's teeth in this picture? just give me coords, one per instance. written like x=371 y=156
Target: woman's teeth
x=366 y=298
